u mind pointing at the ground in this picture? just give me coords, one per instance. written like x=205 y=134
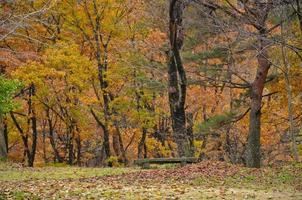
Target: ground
x=206 y=180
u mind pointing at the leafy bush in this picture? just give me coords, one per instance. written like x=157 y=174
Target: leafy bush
x=7 y=89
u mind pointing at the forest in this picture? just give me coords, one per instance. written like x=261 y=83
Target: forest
x=91 y=87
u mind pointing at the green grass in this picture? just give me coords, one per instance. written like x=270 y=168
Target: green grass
x=11 y=173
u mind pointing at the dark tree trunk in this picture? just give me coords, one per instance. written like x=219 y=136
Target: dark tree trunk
x=253 y=156
x=33 y=119
x=102 y=69
x=70 y=145
x=106 y=145
x=24 y=137
x=190 y=134
x=79 y=147
x=118 y=145
x=141 y=145
x=51 y=138
x=299 y=12
x=177 y=75
x=3 y=148
x=115 y=144
x=124 y=157
x=44 y=145
x=6 y=134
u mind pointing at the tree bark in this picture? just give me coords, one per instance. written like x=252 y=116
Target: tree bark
x=177 y=76
x=3 y=148
x=118 y=145
x=33 y=119
x=253 y=156
x=24 y=136
x=141 y=145
x=299 y=13
x=70 y=145
x=51 y=138
x=105 y=146
x=190 y=121
x=79 y=148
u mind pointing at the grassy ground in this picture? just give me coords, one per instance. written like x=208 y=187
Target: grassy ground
x=206 y=180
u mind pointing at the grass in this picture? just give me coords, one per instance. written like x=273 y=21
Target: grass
x=8 y=173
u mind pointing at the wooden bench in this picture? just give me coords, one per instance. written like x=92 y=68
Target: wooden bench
x=145 y=163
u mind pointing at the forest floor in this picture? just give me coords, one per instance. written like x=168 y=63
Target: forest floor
x=206 y=180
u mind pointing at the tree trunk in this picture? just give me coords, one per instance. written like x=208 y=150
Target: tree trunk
x=70 y=145
x=51 y=138
x=33 y=119
x=118 y=144
x=253 y=156
x=177 y=76
x=106 y=145
x=102 y=68
x=141 y=144
x=24 y=137
x=124 y=157
x=299 y=13
x=3 y=149
x=79 y=147
x=44 y=145
x=115 y=143
x=6 y=133
x=190 y=134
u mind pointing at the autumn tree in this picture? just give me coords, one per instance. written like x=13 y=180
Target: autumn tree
x=177 y=75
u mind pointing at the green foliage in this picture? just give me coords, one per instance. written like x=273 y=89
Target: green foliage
x=218 y=52
x=285 y=177
x=7 y=89
x=215 y=122
x=113 y=161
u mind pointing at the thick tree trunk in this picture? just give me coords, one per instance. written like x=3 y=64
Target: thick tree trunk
x=124 y=157
x=253 y=156
x=117 y=143
x=299 y=12
x=6 y=134
x=177 y=76
x=142 y=144
x=44 y=145
x=33 y=121
x=102 y=68
x=3 y=149
x=190 y=134
x=106 y=145
x=79 y=148
x=70 y=145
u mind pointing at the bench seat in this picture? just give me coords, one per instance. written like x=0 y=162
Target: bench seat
x=145 y=163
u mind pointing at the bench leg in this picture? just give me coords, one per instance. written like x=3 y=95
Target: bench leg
x=146 y=166
x=183 y=163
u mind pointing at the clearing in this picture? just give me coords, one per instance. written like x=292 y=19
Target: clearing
x=206 y=180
